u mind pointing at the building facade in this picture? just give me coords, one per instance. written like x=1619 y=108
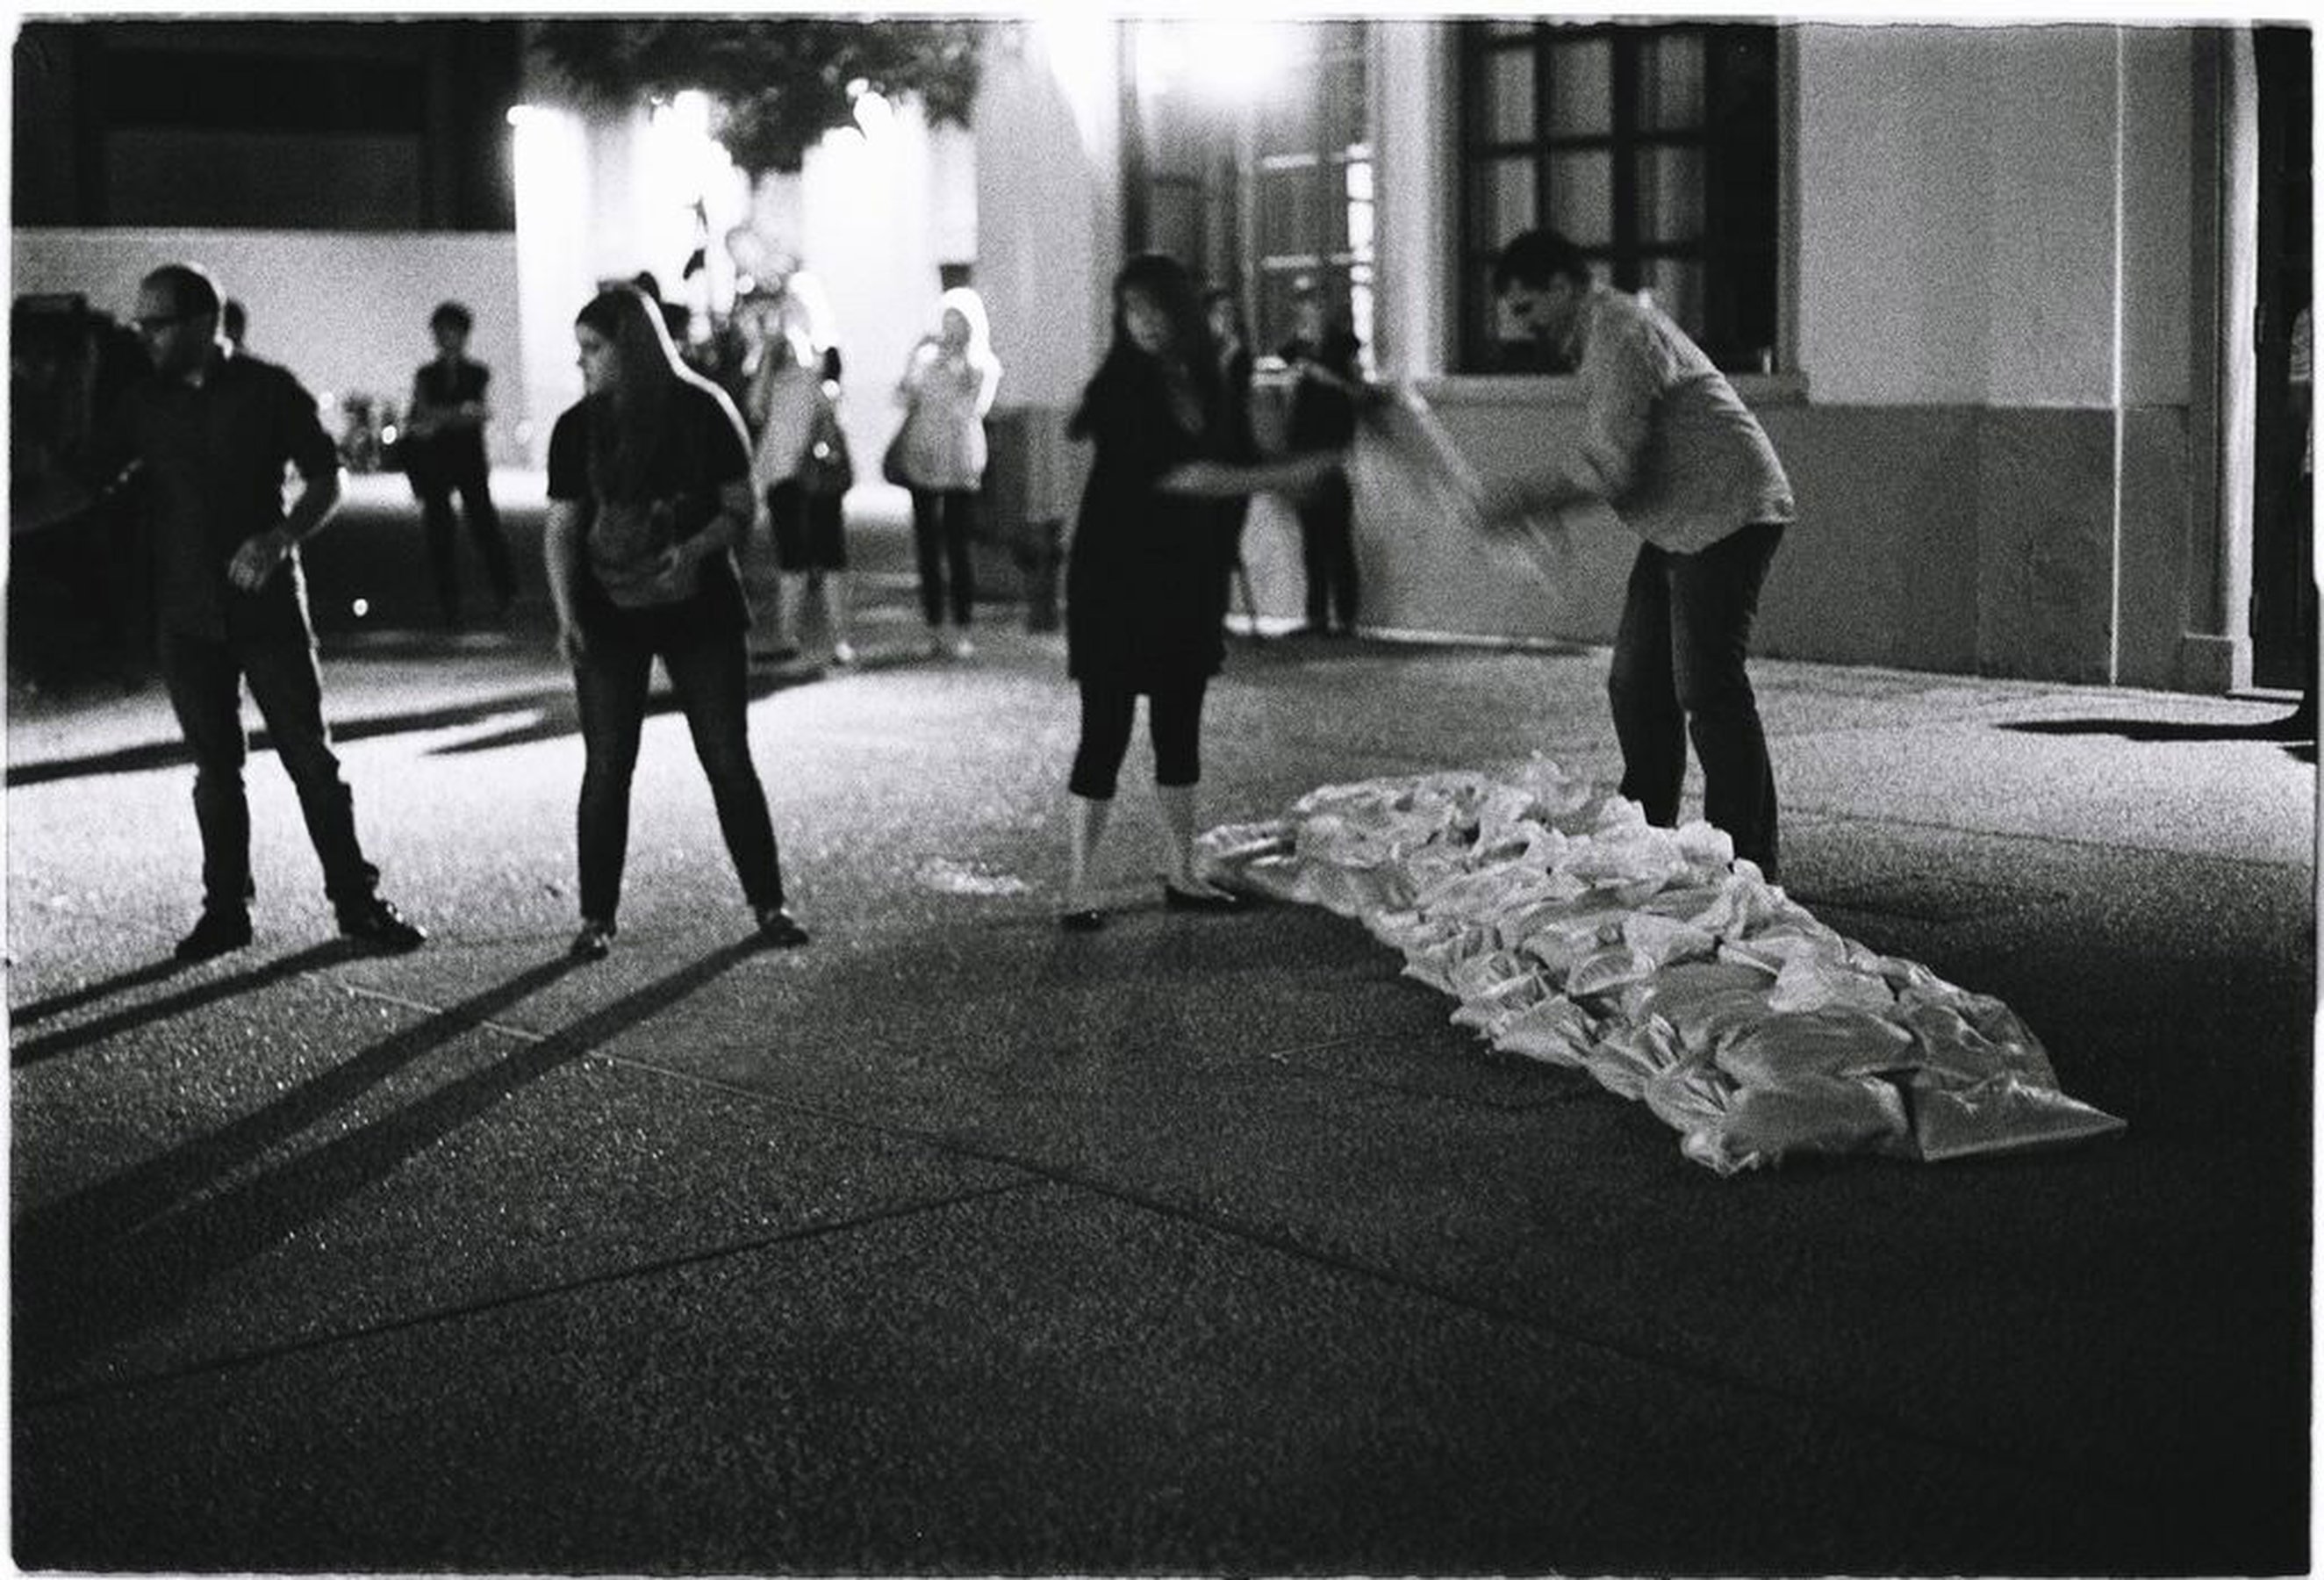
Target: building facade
x=2013 y=302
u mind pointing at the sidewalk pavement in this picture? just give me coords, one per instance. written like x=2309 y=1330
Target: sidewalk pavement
x=951 y=1242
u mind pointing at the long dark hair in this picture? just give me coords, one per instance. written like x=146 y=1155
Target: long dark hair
x=1164 y=281
x=628 y=419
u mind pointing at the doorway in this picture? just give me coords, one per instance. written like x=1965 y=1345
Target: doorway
x=2280 y=568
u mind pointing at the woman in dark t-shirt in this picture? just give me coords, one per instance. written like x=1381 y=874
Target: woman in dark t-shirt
x=649 y=491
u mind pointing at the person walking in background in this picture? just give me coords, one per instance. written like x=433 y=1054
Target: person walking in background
x=1222 y=310
x=947 y=388
x=800 y=465
x=649 y=494
x=1322 y=355
x=1142 y=587
x=1674 y=452
x=445 y=450
x=211 y=431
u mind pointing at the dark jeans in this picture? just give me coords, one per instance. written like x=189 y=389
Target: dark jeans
x=1327 y=542
x=1678 y=670
x=1174 y=717
x=205 y=678
x=484 y=526
x=709 y=671
x=943 y=522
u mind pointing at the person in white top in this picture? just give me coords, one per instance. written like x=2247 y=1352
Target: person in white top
x=1679 y=458
x=946 y=389
x=799 y=464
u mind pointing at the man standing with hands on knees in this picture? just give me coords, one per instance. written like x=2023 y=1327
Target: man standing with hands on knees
x=1671 y=448
x=211 y=431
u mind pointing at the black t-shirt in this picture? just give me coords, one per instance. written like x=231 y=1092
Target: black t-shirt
x=214 y=456
x=454 y=452
x=700 y=451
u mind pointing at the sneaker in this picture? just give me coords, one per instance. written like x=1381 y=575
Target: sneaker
x=380 y=925
x=595 y=941
x=843 y=654
x=962 y=648
x=219 y=932
x=778 y=929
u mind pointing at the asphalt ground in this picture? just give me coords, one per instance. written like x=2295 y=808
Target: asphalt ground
x=951 y=1243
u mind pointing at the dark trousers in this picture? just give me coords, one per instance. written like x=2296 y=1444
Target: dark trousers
x=205 y=678
x=1678 y=672
x=1327 y=542
x=942 y=523
x=1174 y=717
x=709 y=671
x=484 y=526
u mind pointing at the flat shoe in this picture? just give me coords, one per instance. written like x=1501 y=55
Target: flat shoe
x=1080 y=921
x=595 y=941
x=1177 y=899
x=779 y=930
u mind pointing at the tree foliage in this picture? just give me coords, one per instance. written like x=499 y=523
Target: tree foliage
x=779 y=83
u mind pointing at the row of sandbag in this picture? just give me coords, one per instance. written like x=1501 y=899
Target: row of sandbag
x=1573 y=933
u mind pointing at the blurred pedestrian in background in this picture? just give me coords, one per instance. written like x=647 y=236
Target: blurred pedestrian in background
x=212 y=431
x=1329 y=384
x=801 y=464
x=649 y=494
x=947 y=387
x=444 y=453
x=1231 y=339
x=1143 y=592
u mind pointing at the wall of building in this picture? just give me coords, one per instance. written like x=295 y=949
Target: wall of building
x=347 y=311
x=1992 y=427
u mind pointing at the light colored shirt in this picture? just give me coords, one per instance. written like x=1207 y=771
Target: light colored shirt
x=1668 y=444
x=944 y=431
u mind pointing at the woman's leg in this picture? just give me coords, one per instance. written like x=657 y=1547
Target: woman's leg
x=609 y=684
x=1107 y=712
x=710 y=672
x=928 y=545
x=960 y=505
x=1174 y=717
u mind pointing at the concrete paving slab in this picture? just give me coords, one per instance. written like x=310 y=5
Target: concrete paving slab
x=1034 y=1382
x=438 y=1166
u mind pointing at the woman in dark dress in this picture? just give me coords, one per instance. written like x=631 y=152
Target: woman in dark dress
x=1144 y=596
x=649 y=491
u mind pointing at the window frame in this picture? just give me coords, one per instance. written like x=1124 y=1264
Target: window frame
x=1724 y=253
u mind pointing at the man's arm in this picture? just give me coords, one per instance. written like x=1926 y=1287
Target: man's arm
x=1621 y=388
x=260 y=553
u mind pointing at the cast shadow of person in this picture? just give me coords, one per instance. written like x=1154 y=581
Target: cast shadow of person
x=126 y=1254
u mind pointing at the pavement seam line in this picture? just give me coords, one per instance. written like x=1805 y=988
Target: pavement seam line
x=435 y=1315
x=1282 y=1244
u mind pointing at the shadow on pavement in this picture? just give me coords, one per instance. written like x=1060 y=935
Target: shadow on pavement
x=116 y=1259
x=39 y=1009
x=554 y=718
x=2291 y=733
x=33 y=1050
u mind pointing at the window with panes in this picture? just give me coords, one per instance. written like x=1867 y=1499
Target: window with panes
x=1258 y=190
x=1653 y=148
